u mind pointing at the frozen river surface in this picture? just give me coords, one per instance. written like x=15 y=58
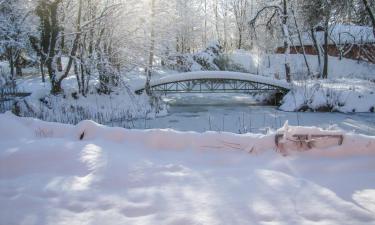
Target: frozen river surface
x=239 y=114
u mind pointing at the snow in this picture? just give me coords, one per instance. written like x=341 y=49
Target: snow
x=4 y=73
x=117 y=176
x=273 y=64
x=2 y=81
x=342 y=95
x=350 y=87
x=121 y=105
x=217 y=75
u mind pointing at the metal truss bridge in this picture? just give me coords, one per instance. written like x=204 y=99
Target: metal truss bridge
x=216 y=82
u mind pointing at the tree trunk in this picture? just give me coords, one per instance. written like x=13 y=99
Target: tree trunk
x=205 y=24
x=72 y=52
x=41 y=66
x=59 y=64
x=76 y=72
x=38 y=49
x=326 y=45
x=216 y=6
x=59 y=60
x=45 y=35
x=62 y=45
x=56 y=87
x=54 y=29
x=301 y=44
x=318 y=51
x=239 y=39
x=83 y=71
x=286 y=42
x=151 y=54
x=371 y=14
x=11 y=63
x=18 y=66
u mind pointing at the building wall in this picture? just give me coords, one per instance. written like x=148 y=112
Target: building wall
x=365 y=52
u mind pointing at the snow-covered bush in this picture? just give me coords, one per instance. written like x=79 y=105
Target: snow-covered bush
x=225 y=63
x=120 y=106
x=207 y=57
x=4 y=73
x=109 y=77
x=204 y=60
x=182 y=63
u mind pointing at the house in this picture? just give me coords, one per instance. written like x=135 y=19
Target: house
x=345 y=41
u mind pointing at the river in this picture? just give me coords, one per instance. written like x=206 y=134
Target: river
x=241 y=114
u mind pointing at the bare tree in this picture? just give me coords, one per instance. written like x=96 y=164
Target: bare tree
x=14 y=32
x=240 y=8
x=370 y=13
x=301 y=43
x=280 y=12
x=152 y=49
x=49 y=24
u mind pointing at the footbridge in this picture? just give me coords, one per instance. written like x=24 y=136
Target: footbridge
x=216 y=82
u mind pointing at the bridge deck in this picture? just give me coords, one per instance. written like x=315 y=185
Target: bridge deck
x=217 y=75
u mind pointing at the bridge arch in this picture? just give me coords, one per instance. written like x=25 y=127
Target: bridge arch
x=216 y=82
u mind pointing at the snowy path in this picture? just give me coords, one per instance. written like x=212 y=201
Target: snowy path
x=114 y=176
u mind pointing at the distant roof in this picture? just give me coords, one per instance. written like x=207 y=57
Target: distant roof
x=340 y=34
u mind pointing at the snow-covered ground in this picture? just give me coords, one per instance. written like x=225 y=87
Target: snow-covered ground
x=117 y=176
x=273 y=65
x=341 y=95
x=350 y=86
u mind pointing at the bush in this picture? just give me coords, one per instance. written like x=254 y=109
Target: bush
x=204 y=60
x=209 y=59
x=180 y=62
x=225 y=63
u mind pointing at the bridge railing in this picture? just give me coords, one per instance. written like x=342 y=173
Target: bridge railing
x=214 y=85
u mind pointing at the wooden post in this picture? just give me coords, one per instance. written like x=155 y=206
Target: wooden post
x=340 y=48
x=359 y=50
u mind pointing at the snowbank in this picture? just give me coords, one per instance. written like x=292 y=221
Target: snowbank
x=350 y=87
x=341 y=95
x=117 y=176
x=164 y=139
